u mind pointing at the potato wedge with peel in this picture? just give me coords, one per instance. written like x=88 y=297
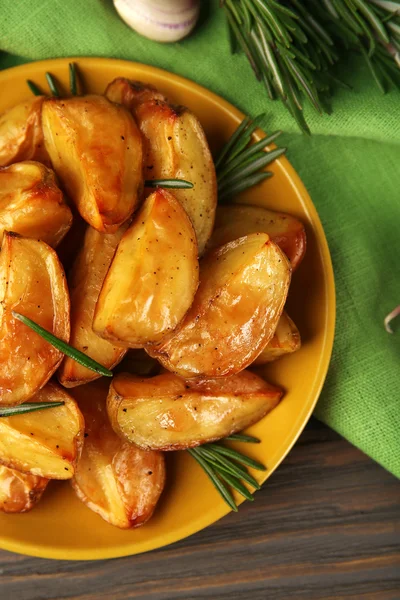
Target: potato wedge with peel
x=32 y=204
x=45 y=443
x=117 y=480
x=21 y=134
x=168 y=413
x=85 y=280
x=32 y=283
x=96 y=150
x=153 y=277
x=285 y=341
x=242 y=292
x=175 y=147
x=19 y=492
x=286 y=231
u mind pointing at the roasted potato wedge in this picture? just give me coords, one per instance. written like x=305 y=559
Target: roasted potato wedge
x=168 y=413
x=21 y=134
x=242 y=292
x=285 y=341
x=175 y=147
x=234 y=221
x=32 y=204
x=153 y=277
x=19 y=492
x=96 y=150
x=85 y=281
x=117 y=480
x=32 y=283
x=44 y=443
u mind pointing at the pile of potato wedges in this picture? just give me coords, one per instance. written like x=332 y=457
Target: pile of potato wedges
x=176 y=295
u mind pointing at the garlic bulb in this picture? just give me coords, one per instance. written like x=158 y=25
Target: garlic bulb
x=160 y=20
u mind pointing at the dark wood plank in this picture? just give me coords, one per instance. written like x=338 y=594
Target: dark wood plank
x=326 y=526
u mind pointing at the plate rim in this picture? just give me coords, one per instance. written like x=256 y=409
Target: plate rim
x=128 y=549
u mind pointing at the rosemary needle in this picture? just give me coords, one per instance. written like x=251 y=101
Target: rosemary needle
x=65 y=348
x=73 y=79
x=222 y=489
x=173 y=184
x=52 y=85
x=9 y=411
x=34 y=88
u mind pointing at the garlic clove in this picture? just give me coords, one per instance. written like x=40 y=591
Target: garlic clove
x=160 y=20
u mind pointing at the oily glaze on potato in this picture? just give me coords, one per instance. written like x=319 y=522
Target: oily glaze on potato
x=85 y=281
x=242 y=292
x=153 y=277
x=117 y=480
x=32 y=283
x=32 y=204
x=96 y=150
x=21 y=134
x=45 y=443
x=285 y=341
x=175 y=147
x=19 y=492
x=168 y=413
x=232 y=222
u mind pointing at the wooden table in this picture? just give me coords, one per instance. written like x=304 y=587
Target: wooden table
x=326 y=525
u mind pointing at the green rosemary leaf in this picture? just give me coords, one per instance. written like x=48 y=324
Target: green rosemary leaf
x=52 y=85
x=232 y=140
x=234 y=483
x=229 y=466
x=65 y=348
x=241 y=437
x=251 y=167
x=240 y=186
x=244 y=460
x=10 y=411
x=34 y=88
x=173 y=184
x=73 y=79
x=372 y=18
x=249 y=152
x=372 y=69
x=244 y=45
x=221 y=488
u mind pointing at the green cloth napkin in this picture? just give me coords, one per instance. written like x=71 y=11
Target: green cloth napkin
x=351 y=167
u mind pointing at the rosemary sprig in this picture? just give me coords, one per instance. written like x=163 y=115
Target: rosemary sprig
x=239 y=163
x=9 y=411
x=172 y=184
x=65 y=348
x=224 y=467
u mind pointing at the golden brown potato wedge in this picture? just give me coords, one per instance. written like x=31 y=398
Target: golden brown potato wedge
x=21 y=134
x=175 y=147
x=19 y=492
x=285 y=341
x=168 y=413
x=32 y=204
x=153 y=276
x=85 y=281
x=117 y=480
x=242 y=292
x=44 y=443
x=32 y=283
x=96 y=150
x=234 y=221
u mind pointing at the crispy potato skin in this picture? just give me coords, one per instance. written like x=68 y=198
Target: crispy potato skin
x=242 y=292
x=85 y=281
x=285 y=230
x=117 y=480
x=168 y=413
x=153 y=277
x=96 y=150
x=285 y=341
x=175 y=147
x=19 y=492
x=26 y=360
x=32 y=204
x=44 y=443
x=21 y=134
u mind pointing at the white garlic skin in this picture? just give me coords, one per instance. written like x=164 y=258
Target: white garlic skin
x=160 y=20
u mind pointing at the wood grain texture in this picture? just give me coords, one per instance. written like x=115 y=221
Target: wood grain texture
x=325 y=526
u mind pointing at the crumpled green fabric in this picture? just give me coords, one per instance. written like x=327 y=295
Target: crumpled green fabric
x=351 y=167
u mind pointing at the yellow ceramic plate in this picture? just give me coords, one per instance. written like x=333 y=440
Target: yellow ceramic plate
x=61 y=526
